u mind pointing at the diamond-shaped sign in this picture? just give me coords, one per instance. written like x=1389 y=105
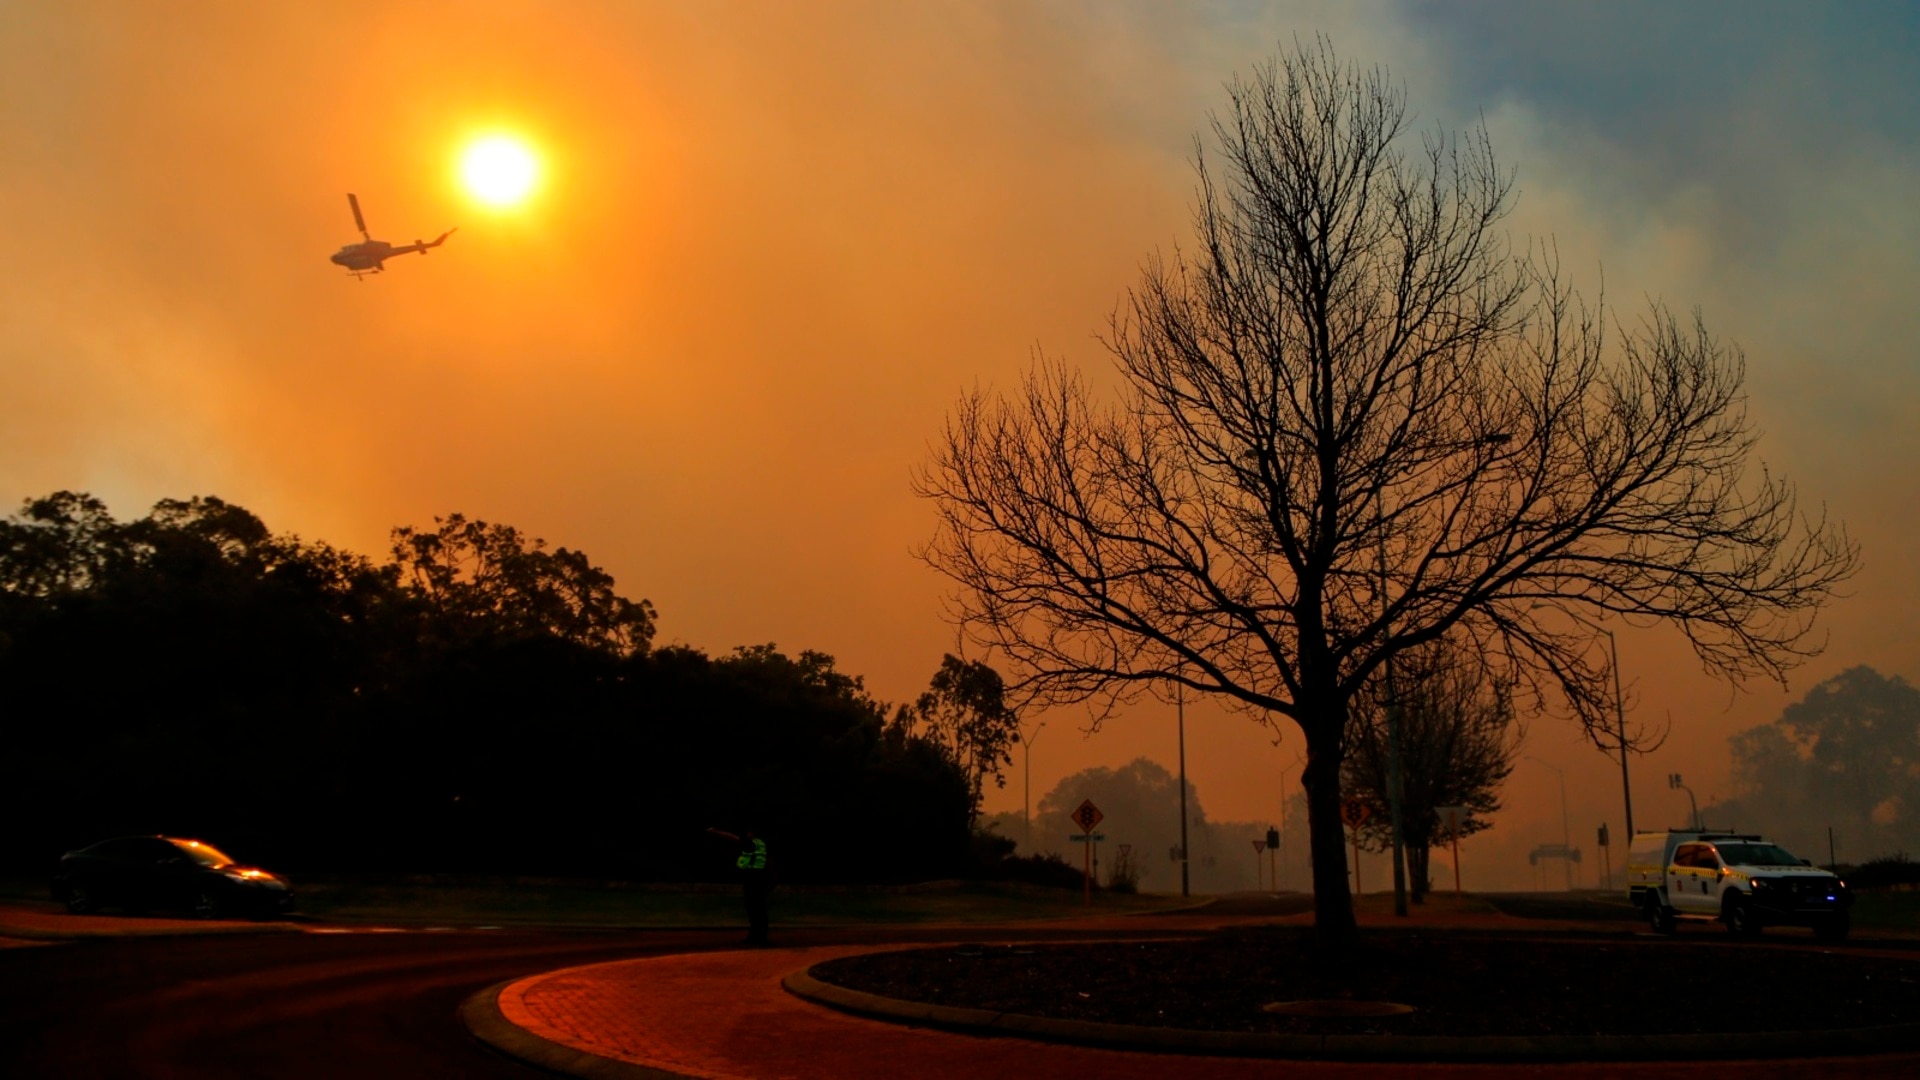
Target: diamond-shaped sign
x=1087 y=815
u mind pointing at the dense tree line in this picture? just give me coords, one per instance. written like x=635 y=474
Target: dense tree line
x=478 y=702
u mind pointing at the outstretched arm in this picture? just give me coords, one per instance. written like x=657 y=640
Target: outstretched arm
x=723 y=833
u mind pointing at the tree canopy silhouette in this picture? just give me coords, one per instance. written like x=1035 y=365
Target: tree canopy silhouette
x=1846 y=756
x=480 y=703
x=965 y=715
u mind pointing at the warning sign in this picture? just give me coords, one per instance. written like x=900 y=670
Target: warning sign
x=1087 y=815
x=1355 y=813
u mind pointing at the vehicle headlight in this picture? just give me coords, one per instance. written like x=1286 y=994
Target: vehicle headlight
x=1761 y=884
x=249 y=877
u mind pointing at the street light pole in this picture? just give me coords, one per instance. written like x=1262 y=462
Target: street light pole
x=1026 y=783
x=1566 y=831
x=1620 y=714
x=1674 y=781
x=1393 y=734
x=1394 y=818
x=1180 y=709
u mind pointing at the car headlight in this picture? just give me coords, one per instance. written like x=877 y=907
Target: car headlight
x=249 y=877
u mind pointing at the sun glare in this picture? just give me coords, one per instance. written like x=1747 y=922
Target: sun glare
x=500 y=170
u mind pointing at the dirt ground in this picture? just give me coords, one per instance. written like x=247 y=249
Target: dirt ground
x=1459 y=983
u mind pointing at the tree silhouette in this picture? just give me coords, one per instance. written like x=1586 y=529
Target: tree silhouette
x=1458 y=737
x=1351 y=422
x=491 y=575
x=964 y=713
x=1846 y=755
x=480 y=704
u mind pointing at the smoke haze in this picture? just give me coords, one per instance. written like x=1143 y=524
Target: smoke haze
x=776 y=242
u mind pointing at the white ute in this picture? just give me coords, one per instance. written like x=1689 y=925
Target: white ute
x=1741 y=880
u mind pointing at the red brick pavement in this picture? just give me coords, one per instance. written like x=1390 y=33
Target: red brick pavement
x=725 y=1015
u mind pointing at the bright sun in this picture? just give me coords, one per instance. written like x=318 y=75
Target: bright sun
x=500 y=170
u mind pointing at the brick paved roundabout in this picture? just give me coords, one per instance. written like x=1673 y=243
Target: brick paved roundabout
x=729 y=1014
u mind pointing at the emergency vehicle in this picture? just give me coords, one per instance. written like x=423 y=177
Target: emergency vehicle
x=1739 y=879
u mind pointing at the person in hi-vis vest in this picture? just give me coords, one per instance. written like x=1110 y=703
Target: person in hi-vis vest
x=756 y=881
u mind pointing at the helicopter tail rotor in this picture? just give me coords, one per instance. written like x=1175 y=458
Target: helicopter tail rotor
x=357 y=219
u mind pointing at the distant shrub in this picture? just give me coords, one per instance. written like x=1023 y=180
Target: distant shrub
x=986 y=850
x=1888 y=872
x=1048 y=870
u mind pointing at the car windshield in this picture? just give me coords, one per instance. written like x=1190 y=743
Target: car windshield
x=1755 y=855
x=205 y=854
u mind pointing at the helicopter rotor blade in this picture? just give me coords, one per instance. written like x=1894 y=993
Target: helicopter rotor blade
x=357 y=219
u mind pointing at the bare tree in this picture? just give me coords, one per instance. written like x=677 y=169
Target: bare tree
x=1458 y=737
x=1351 y=422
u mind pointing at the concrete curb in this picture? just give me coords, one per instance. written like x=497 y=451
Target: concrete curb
x=1395 y=1048
x=481 y=1015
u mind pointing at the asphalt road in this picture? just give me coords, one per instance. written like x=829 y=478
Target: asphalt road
x=358 y=1005
x=364 y=1005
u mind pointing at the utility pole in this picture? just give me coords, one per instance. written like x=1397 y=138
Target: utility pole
x=1393 y=736
x=1620 y=714
x=1180 y=709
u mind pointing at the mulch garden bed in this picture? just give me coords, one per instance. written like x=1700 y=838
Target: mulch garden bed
x=1458 y=983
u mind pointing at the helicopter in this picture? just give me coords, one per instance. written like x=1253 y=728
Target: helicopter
x=365 y=257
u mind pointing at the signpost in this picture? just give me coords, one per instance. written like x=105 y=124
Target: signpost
x=1258 y=847
x=1452 y=820
x=1355 y=813
x=1087 y=815
x=1273 y=858
x=1607 y=855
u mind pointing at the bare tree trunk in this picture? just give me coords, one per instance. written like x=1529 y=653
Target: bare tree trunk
x=1332 y=899
x=1417 y=865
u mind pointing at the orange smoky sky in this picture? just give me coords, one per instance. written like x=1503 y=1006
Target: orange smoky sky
x=774 y=242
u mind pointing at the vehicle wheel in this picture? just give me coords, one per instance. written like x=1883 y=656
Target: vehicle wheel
x=205 y=904
x=1739 y=917
x=1833 y=927
x=80 y=898
x=1660 y=917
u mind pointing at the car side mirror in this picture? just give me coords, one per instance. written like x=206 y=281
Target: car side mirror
x=1806 y=862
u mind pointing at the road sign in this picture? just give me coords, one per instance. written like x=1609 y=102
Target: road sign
x=1273 y=838
x=1087 y=815
x=1603 y=834
x=1259 y=845
x=1085 y=838
x=1355 y=813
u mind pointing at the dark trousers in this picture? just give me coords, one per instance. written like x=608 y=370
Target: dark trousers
x=756 y=887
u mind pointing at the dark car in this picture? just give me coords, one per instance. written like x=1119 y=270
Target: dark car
x=138 y=873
